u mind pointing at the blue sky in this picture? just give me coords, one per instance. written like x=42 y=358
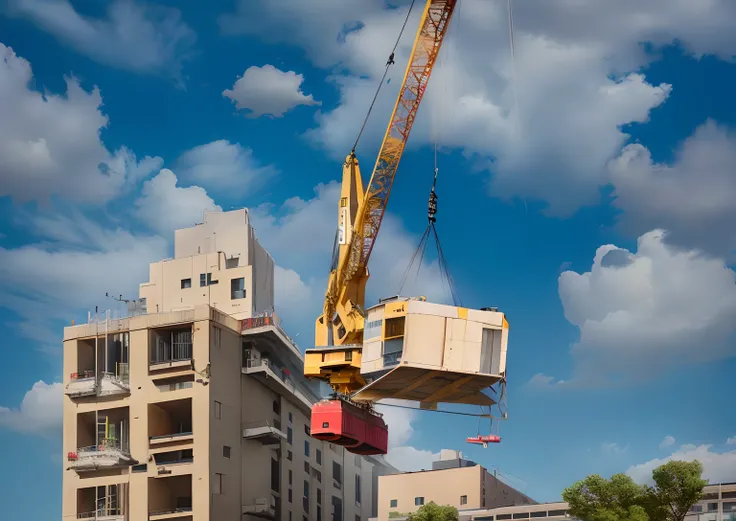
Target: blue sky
x=613 y=124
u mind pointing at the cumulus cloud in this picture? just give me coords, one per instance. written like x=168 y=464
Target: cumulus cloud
x=400 y=423
x=731 y=440
x=718 y=467
x=668 y=441
x=88 y=260
x=50 y=144
x=570 y=64
x=641 y=313
x=693 y=197
x=224 y=168
x=308 y=226
x=142 y=38
x=164 y=207
x=268 y=91
x=40 y=411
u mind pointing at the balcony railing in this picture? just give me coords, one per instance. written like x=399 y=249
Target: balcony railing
x=179 y=349
x=109 y=453
x=108 y=514
x=390 y=359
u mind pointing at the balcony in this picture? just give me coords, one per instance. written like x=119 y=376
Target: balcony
x=103 y=441
x=170 y=423
x=102 y=503
x=277 y=380
x=171 y=348
x=267 y=432
x=264 y=507
x=109 y=454
x=170 y=498
x=81 y=384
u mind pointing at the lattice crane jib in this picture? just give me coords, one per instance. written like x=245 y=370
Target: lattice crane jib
x=341 y=323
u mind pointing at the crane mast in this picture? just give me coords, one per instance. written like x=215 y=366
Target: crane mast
x=339 y=329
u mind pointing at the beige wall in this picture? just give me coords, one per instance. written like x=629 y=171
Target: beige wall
x=215 y=246
x=444 y=487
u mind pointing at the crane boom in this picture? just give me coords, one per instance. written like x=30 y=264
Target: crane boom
x=341 y=323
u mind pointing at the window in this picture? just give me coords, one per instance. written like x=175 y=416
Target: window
x=232 y=262
x=140 y=468
x=319 y=496
x=205 y=279
x=357 y=489
x=290 y=417
x=337 y=472
x=217 y=483
x=521 y=515
x=275 y=475
x=541 y=513
x=307 y=430
x=394 y=503
x=217 y=336
x=218 y=410
x=554 y=513
x=319 y=512
x=289 y=455
x=729 y=494
x=697 y=508
x=484 y=518
x=237 y=288
x=499 y=517
x=319 y=457
x=289 y=435
x=226 y=451
x=186 y=283
x=306 y=448
x=418 y=501
x=305 y=498
x=291 y=474
x=290 y=495
x=372 y=329
x=306 y=467
x=336 y=508
x=712 y=507
x=276 y=407
x=463 y=500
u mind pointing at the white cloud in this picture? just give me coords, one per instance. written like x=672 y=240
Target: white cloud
x=308 y=226
x=40 y=411
x=69 y=272
x=668 y=441
x=50 y=144
x=641 y=313
x=718 y=467
x=543 y=380
x=568 y=67
x=164 y=207
x=693 y=197
x=614 y=448
x=148 y=39
x=268 y=91
x=731 y=440
x=400 y=432
x=224 y=168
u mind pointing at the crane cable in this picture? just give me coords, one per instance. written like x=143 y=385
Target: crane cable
x=389 y=63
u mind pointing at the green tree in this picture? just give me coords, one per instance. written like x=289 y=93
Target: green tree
x=599 y=499
x=677 y=487
x=434 y=512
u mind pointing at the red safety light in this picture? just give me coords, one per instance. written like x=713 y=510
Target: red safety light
x=355 y=428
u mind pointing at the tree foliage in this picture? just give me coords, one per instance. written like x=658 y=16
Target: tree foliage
x=434 y=512
x=677 y=487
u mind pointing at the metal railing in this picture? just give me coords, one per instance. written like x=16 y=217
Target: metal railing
x=105 y=444
x=179 y=349
x=101 y=512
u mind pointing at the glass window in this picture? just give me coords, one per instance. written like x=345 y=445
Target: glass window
x=306 y=448
x=463 y=500
x=394 y=503
x=237 y=288
x=226 y=451
x=418 y=501
x=186 y=283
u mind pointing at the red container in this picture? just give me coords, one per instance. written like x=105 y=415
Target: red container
x=352 y=427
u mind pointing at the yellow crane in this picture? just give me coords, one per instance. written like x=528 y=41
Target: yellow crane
x=336 y=358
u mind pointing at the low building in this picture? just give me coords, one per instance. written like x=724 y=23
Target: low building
x=453 y=481
x=198 y=412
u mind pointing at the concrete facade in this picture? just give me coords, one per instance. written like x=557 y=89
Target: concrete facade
x=192 y=414
x=458 y=482
x=218 y=262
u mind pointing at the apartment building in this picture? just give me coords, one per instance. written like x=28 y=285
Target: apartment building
x=453 y=481
x=196 y=408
